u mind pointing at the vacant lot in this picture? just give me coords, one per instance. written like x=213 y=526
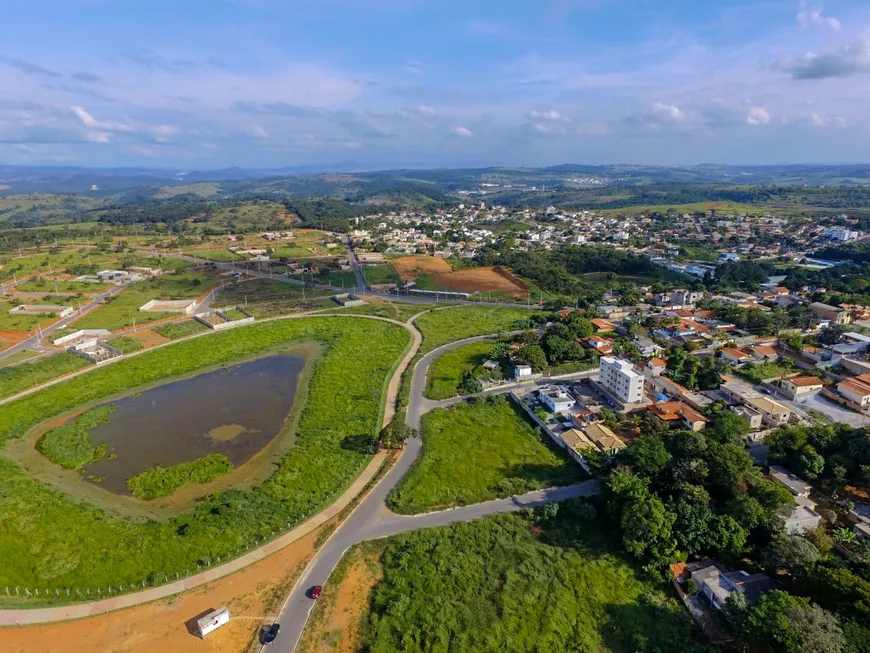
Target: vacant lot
x=21 y=321
x=446 y=372
x=493 y=586
x=27 y=375
x=479 y=451
x=43 y=284
x=432 y=273
x=448 y=325
x=122 y=310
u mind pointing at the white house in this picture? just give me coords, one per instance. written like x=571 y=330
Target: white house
x=618 y=376
x=557 y=399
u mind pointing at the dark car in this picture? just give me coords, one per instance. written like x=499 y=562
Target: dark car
x=270 y=633
x=315 y=591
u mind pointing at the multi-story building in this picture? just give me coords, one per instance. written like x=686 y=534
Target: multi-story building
x=618 y=377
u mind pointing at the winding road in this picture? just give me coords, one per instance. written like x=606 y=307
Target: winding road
x=372 y=519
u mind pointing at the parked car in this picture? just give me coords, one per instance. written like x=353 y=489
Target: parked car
x=270 y=633
x=315 y=591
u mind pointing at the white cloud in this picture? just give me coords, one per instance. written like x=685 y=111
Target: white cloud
x=257 y=131
x=667 y=112
x=851 y=59
x=549 y=115
x=808 y=15
x=461 y=132
x=757 y=116
x=426 y=111
x=820 y=120
x=88 y=121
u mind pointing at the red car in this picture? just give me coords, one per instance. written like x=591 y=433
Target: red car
x=315 y=591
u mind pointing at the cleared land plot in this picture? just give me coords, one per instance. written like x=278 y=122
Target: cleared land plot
x=493 y=585
x=122 y=310
x=267 y=298
x=432 y=273
x=446 y=372
x=222 y=255
x=180 y=329
x=126 y=344
x=478 y=451
x=74 y=262
x=27 y=375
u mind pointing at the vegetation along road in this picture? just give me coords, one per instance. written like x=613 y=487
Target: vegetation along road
x=373 y=520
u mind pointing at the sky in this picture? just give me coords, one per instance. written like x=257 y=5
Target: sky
x=205 y=84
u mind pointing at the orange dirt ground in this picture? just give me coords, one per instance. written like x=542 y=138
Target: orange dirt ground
x=253 y=596
x=338 y=629
x=9 y=338
x=492 y=279
x=149 y=338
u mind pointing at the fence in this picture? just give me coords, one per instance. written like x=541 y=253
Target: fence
x=163 y=578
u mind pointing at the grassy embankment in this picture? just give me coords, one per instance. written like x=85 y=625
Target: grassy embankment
x=28 y=375
x=49 y=540
x=70 y=446
x=494 y=585
x=122 y=310
x=446 y=372
x=163 y=481
x=480 y=451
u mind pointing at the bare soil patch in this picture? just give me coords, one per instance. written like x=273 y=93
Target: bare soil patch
x=338 y=620
x=411 y=267
x=253 y=596
x=226 y=432
x=149 y=338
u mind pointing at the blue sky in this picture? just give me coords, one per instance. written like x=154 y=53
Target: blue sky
x=261 y=83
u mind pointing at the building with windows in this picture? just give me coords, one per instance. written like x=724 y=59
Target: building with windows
x=618 y=377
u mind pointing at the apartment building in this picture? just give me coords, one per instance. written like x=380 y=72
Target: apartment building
x=618 y=377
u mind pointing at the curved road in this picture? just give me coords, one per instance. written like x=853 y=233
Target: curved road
x=372 y=519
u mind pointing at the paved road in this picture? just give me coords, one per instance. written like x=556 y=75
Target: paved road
x=373 y=520
x=33 y=341
x=354 y=263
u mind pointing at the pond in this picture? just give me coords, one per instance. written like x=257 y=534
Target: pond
x=235 y=411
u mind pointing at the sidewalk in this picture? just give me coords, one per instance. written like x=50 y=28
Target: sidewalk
x=82 y=610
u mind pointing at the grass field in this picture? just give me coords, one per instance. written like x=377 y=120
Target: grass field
x=162 y=481
x=42 y=284
x=482 y=450
x=446 y=372
x=27 y=375
x=493 y=586
x=757 y=373
x=442 y=326
x=122 y=310
x=21 y=321
x=65 y=261
x=126 y=344
x=379 y=274
x=391 y=310
x=221 y=255
x=49 y=540
x=20 y=357
x=181 y=329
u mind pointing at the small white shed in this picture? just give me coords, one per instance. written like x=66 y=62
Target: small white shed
x=212 y=621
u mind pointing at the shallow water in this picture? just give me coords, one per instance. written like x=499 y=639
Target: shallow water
x=235 y=411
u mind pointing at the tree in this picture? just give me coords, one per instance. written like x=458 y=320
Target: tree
x=395 y=434
x=648 y=456
x=794 y=554
x=788 y=624
x=729 y=428
x=831 y=335
x=729 y=463
x=556 y=348
x=470 y=384
x=532 y=355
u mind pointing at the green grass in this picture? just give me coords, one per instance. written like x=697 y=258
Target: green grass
x=222 y=255
x=181 y=329
x=61 y=285
x=446 y=372
x=51 y=541
x=492 y=586
x=757 y=373
x=22 y=321
x=70 y=446
x=27 y=375
x=477 y=451
x=126 y=344
x=163 y=481
x=122 y=310
x=376 y=275
x=20 y=357
x=235 y=314
x=65 y=261
x=391 y=310
x=442 y=326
